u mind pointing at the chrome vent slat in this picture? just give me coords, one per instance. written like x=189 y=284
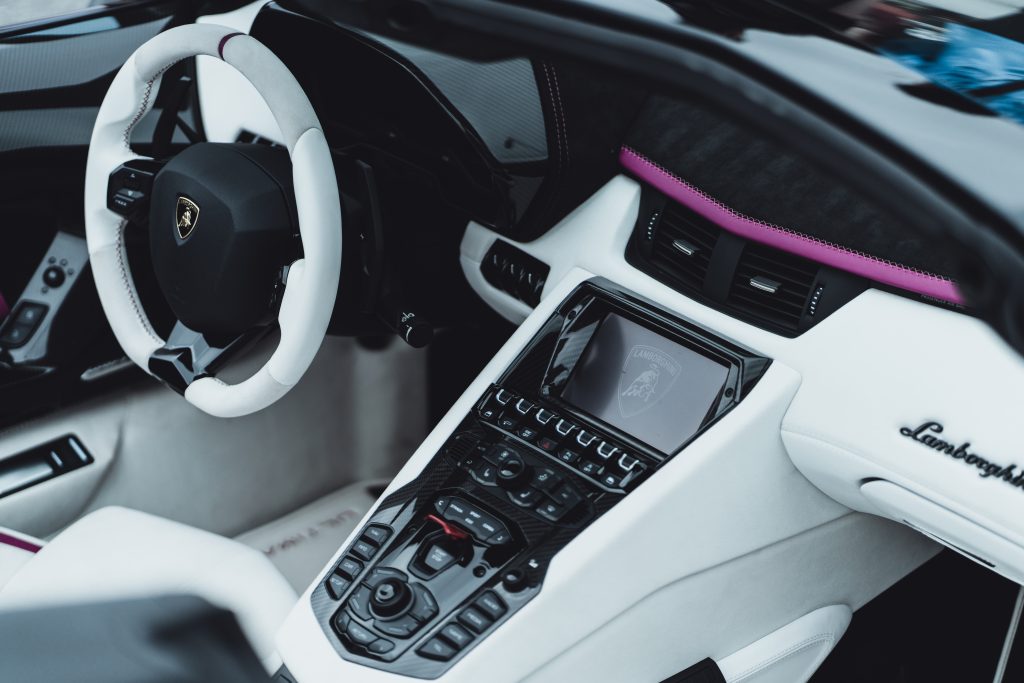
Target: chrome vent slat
x=795 y=278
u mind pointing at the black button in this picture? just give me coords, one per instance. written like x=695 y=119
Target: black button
x=591 y=468
x=425 y=607
x=457 y=636
x=490 y=527
x=499 y=455
x=491 y=605
x=551 y=511
x=485 y=473
x=53 y=276
x=500 y=537
x=507 y=421
x=31 y=313
x=436 y=648
x=567 y=496
x=606 y=450
x=474 y=620
x=545 y=417
x=381 y=646
x=438 y=558
x=612 y=481
x=441 y=504
x=377 y=534
x=359 y=602
x=568 y=455
x=526 y=498
x=350 y=568
x=359 y=635
x=564 y=428
x=16 y=334
x=545 y=479
x=337 y=585
x=547 y=444
x=527 y=433
x=402 y=627
x=523 y=406
x=489 y=413
x=363 y=550
x=504 y=397
x=586 y=439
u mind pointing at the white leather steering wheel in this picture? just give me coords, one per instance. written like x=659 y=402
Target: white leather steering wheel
x=312 y=281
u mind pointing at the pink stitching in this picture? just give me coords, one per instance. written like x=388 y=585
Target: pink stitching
x=771 y=226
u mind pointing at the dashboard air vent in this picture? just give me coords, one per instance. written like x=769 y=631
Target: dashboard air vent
x=682 y=245
x=772 y=286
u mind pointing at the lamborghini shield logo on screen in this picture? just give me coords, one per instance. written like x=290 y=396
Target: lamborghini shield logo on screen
x=186 y=215
x=647 y=375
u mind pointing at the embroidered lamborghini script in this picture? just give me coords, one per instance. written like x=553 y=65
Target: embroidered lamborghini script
x=647 y=375
x=927 y=435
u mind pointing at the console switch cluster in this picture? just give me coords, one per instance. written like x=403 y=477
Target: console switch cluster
x=460 y=632
x=578 y=445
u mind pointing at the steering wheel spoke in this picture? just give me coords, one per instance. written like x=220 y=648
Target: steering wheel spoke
x=188 y=355
x=130 y=188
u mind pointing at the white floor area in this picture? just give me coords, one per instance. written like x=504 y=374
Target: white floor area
x=300 y=543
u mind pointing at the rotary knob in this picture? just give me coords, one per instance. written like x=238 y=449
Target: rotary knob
x=391 y=598
x=514 y=474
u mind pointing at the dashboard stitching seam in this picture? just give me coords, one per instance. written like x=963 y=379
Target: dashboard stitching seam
x=778 y=228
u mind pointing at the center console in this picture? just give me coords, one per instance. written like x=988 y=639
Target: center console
x=607 y=391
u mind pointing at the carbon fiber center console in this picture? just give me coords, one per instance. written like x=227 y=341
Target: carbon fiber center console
x=602 y=397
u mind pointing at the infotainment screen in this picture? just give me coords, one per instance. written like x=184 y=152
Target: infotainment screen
x=648 y=386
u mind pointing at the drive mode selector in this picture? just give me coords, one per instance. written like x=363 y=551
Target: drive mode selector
x=390 y=598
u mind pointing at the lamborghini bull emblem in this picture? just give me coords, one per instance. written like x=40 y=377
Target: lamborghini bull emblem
x=186 y=215
x=647 y=375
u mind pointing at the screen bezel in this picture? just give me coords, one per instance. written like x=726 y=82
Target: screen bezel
x=591 y=303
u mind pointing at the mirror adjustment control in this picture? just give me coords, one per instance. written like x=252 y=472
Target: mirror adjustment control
x=491 y=605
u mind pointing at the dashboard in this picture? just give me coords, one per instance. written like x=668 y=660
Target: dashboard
x=752 y=348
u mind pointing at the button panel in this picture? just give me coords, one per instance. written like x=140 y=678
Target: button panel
x=608 y=463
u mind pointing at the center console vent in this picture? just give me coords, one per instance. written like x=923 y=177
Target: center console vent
x=773 y=286
x=772 y=289
x=682 y=245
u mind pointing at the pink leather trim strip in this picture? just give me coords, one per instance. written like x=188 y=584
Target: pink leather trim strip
x=224 y=41
x=19 y=543
x=858 y=263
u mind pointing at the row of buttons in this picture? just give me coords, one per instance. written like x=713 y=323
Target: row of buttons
x=484 y=528
x=544 y=491
x=599 y=459
x=351 y=565
x=460 y=632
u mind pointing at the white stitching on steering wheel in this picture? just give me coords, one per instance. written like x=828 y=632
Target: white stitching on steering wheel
x=312 y=281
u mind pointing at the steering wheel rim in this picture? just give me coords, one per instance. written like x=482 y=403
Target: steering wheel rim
x=312 y=281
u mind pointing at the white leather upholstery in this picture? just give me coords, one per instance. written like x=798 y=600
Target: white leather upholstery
x=792 y=653
x=118 y=553
x=313 y=281
x=15 y=551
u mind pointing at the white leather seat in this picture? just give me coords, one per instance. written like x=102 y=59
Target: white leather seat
x=119 y=553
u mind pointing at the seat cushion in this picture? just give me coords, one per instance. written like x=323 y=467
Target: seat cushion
x=15 y=550
x=116 y=553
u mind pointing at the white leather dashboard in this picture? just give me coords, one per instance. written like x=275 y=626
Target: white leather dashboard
x=881 y=364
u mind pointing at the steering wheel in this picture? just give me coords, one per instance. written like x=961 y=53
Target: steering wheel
x=236 y=241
